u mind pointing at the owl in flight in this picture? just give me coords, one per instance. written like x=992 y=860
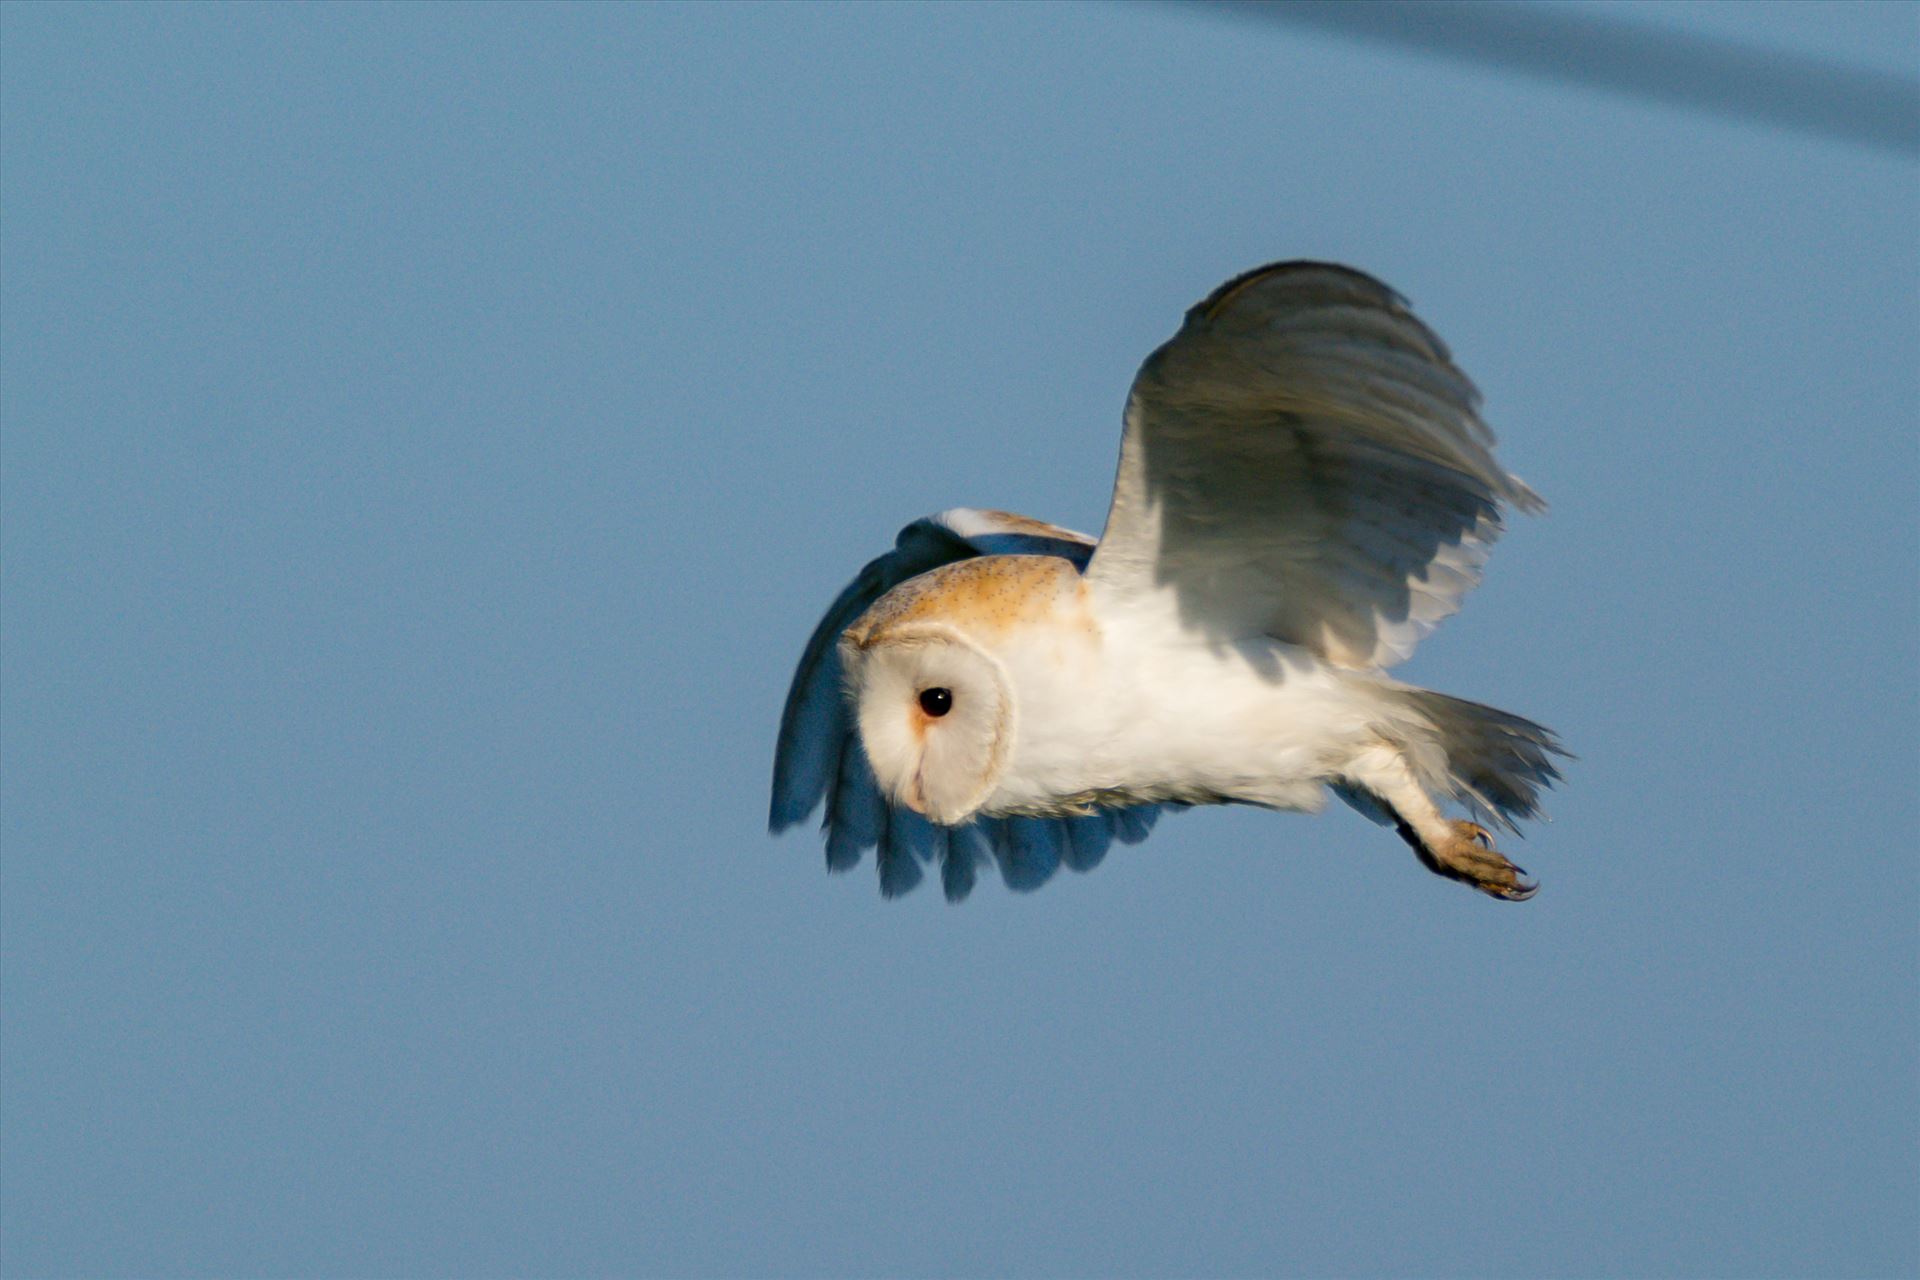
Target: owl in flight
x=1305 y=490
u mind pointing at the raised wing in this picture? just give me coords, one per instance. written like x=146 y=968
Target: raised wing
x=1304 y=461
x=819 y=756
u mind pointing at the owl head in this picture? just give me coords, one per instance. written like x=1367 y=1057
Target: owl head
x=935 y=714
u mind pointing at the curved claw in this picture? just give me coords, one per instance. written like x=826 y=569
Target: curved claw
x=1469 y=856
x=1520 y=892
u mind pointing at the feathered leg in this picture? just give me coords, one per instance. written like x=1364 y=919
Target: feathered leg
x=1455 y=849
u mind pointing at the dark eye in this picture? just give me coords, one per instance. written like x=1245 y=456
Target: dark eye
x=936 y=702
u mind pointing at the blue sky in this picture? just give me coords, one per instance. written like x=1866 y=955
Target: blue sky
x=429 y=435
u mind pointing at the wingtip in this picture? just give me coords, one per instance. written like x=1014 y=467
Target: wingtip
x=781 y=816
x=1216 y=302
x=1523 y=497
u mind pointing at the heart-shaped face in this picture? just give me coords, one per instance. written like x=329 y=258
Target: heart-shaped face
x=935 y=714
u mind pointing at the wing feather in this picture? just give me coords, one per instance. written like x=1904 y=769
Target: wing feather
x=819 y=756
x=1303 y=460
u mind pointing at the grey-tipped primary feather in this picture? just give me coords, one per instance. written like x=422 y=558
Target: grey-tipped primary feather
x=1029 y=852
x=911 y=841
x=1088 y=840
x=856 y=814
x=967 y=849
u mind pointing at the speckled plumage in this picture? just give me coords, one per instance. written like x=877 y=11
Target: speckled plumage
x=1305 y=490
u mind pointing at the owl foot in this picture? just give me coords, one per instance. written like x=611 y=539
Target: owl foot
x=1468 y=855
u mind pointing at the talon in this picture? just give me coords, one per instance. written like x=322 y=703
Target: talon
x=1520 y=892
x=1469 y=856
x=1465 y=853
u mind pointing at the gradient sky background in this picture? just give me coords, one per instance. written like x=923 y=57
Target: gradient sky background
x=429 y=435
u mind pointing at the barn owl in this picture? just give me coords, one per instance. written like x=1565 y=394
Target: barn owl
x=1305 y=491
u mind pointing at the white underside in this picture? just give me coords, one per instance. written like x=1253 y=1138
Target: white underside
x=1144 y=710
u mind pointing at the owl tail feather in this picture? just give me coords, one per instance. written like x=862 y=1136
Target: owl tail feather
x=1491 y=761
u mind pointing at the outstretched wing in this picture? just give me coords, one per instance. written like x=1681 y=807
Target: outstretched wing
x=819 y=757
x=1303 y=460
